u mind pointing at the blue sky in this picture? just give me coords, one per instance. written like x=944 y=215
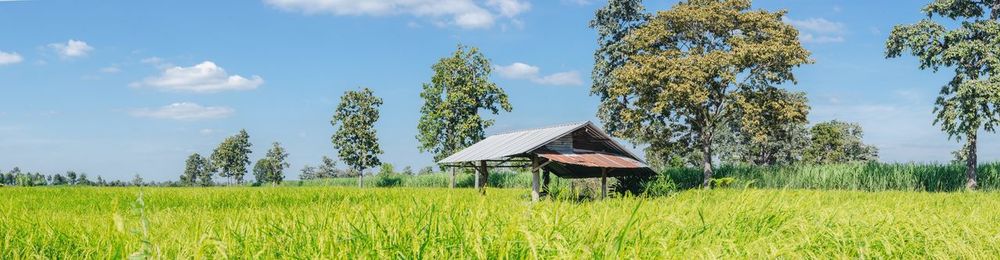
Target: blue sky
x=117 y=88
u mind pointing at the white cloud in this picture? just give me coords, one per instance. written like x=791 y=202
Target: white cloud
x=818 y=30
x=71 y=49
x=524 y=71
x=518 y=70
x=7 y=58
x=467 y=14
x=207 y=131
x=561 y=78
x=184 y=111
x=206 y=77
x=810 y=38
x=509 y=8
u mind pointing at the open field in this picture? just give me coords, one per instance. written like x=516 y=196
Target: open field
x=305 y=222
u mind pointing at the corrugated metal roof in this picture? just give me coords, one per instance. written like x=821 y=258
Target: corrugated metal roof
x=500 y=146
x=592 y=159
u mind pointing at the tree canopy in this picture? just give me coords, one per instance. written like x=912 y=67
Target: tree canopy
x=459 y=89
x=771 y=131
x=271 y=168
x=197 y=171
x=613 y=23
x=687 y=68
x=970 y=100
x=838 y=142
x=355 y=137
x=232 y=157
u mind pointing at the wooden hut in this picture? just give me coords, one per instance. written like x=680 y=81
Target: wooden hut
x=577 y=150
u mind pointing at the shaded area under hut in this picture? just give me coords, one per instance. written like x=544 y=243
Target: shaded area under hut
x=572 y=151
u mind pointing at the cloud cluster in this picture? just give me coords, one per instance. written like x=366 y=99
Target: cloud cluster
x=7 y=58
x=468 y=14
x=184 y=111
x=524 y=71
x=205 y=77
x=818 y=30
x=71 y=49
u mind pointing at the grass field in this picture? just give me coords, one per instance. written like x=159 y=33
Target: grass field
x=334 y=222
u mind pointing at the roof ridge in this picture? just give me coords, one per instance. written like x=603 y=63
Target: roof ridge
x=543 y=127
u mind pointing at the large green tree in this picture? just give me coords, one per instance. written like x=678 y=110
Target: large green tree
x=838 y=142
x=968 y=42
x=355 y=138
x=458 y=91
x=271 y=168
x=196 y=171
x=771 y=129
x=687 y=67
x=232 y=157
x=613 y=23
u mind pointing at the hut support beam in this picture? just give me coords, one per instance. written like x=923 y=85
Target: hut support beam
x=546 y=178
x=482 y=177
x=604 y=183
x=451 y=184
x=535 y=172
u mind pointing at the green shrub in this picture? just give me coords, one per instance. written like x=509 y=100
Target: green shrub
x=659 y=186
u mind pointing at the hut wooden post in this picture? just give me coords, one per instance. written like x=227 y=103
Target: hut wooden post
x=535 y=172
x=452 y=183
x=546 y=178
x=604 y=183
x=484 y=178
x=475 y=172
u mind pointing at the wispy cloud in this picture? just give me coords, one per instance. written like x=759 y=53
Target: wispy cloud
x=818 y=30
x=71 y=48
x=524 y=71
x=467 y=14
x=184 y=111
x=205 y=77
x=7 y=58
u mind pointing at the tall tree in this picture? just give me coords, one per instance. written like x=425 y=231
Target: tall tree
x=272 y=167
x=71 y=178
x=328 y=169
x=613 y=23
x=355 y=138
x=688 y=66
x=195 y=168
x=459 y=89
x=838 y=142
x=970 y=101
x=770 y=130
x=232 y=157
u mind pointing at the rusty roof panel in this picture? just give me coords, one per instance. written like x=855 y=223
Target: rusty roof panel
x=592 y=159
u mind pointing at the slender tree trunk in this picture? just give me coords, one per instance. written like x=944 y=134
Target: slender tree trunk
x=361 y=179
x=706 y=161
x=970 y=163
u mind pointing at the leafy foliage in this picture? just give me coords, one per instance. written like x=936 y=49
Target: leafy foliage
x=197 y=170
x=232 y=157
x=771 y=131
x=613 y=23
x=688 y=67
x=838 y=142
x=355 y=138
x=459 y=89
x=970 y=101
x=272 y=167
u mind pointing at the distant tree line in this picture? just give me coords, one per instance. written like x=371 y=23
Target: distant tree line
x=17 y=177
x=231 y=160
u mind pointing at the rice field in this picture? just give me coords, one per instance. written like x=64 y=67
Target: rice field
x=414 y=223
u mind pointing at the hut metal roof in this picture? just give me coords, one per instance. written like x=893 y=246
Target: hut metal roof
x=497 y=147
